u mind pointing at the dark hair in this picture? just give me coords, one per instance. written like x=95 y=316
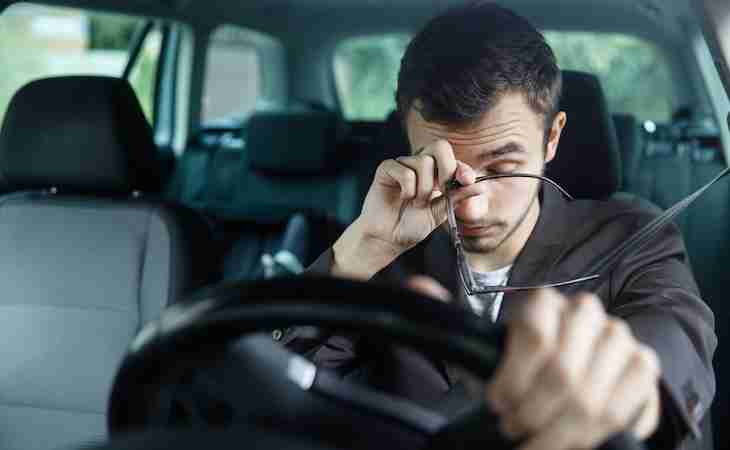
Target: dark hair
x=462 y=61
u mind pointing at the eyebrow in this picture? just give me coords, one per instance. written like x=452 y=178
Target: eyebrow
x=506 y=149
x=510 y=147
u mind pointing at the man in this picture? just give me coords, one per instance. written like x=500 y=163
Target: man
x=478 y=92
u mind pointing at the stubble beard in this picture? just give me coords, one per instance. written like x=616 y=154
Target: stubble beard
x=489 y=245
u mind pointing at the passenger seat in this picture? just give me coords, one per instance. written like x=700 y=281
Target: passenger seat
x=89 y=254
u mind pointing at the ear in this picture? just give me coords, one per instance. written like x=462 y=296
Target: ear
x=555 y=131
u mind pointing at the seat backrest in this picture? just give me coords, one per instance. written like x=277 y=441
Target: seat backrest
x=588 y=161
x=631 y=146
x=88 y=254
x=290 y=163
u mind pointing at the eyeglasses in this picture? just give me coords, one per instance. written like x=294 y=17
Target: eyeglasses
x=465 y=273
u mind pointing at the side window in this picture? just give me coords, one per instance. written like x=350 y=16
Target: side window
x=143 y=76
x=40 y=41
x=634 y=73
x=232 y=77
x=366 y=73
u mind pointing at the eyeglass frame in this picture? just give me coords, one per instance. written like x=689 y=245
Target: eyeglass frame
x=465 y=273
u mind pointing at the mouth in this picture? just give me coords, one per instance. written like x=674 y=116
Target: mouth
x=478 y=230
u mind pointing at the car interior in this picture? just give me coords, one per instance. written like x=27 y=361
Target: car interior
x=157 y=157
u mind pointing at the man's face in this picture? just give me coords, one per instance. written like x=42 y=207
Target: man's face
x=510 y=137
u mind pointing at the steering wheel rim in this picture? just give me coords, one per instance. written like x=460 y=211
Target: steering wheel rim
x=204 y=324
x=219 y=314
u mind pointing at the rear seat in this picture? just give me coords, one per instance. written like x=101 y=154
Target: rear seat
x=290 y=172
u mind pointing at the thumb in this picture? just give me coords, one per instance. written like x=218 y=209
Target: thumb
x=428 y=286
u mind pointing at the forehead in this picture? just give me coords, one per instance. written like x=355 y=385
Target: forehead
x=510 y=117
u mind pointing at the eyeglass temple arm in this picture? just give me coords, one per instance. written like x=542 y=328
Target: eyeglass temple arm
x=453 y=184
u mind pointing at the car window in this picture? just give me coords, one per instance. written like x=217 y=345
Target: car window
x=143 y=75
x=366 y=70
x=40 y=41
x=634 y=73
x=232 y=77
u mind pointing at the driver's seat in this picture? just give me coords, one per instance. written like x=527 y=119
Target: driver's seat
x=88 y=254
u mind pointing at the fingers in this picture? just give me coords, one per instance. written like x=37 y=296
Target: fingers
x=447 y=166
x=428 y=286
x=635 y=398
x=629 y=405
x=393 y=174
x=572 y=376
x=465 y=175
x=423 y=166
x=422 y=177
x=534 y=333
x=562 y=373
x=446 y=163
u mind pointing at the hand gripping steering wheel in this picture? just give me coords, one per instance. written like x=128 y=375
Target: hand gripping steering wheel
x=200 y=342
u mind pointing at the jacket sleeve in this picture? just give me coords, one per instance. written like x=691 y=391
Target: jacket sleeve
x=657 y=296
x=325 y=348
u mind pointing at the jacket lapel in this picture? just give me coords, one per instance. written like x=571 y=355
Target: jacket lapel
x=537 y=259
x=533 y=265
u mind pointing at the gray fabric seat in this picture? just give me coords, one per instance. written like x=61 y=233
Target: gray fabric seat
x=88 y=254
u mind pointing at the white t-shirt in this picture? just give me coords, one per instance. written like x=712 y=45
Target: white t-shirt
x=491 y=302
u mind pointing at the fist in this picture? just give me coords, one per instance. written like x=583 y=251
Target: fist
x=572 y=376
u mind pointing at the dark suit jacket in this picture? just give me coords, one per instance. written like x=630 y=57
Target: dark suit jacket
x=652 y=289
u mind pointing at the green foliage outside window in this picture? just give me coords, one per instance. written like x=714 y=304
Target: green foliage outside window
x=144 y=75
x=111 y=32
x=634 y=73
x=366 y=73
x=41 y=41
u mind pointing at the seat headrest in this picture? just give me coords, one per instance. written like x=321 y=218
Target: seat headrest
x=294 y=142
x=588 y=161
x=81 y=133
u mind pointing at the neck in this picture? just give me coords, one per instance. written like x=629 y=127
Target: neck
x=507 y=252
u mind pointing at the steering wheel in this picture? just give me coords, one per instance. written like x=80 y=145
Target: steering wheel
x=201 y=342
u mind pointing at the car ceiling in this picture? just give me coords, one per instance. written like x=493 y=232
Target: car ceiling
x=293 y=20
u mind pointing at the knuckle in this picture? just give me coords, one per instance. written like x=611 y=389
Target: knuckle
x=526 y=420
x=409 y=175
x=383 y=166
x=442 y=146
x=588 y=304
x=537 y=340
x=424 y=161
x=618 y=329
x=648 y=360
x=585 y=406
x=547 y=299
x=613 y=420
x=559 y=373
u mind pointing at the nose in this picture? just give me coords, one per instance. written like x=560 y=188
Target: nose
x=473 y=209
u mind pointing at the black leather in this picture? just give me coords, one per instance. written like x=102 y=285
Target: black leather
x=295 y=143
x=79 y=133
x=588 y=162
x=631 y=146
